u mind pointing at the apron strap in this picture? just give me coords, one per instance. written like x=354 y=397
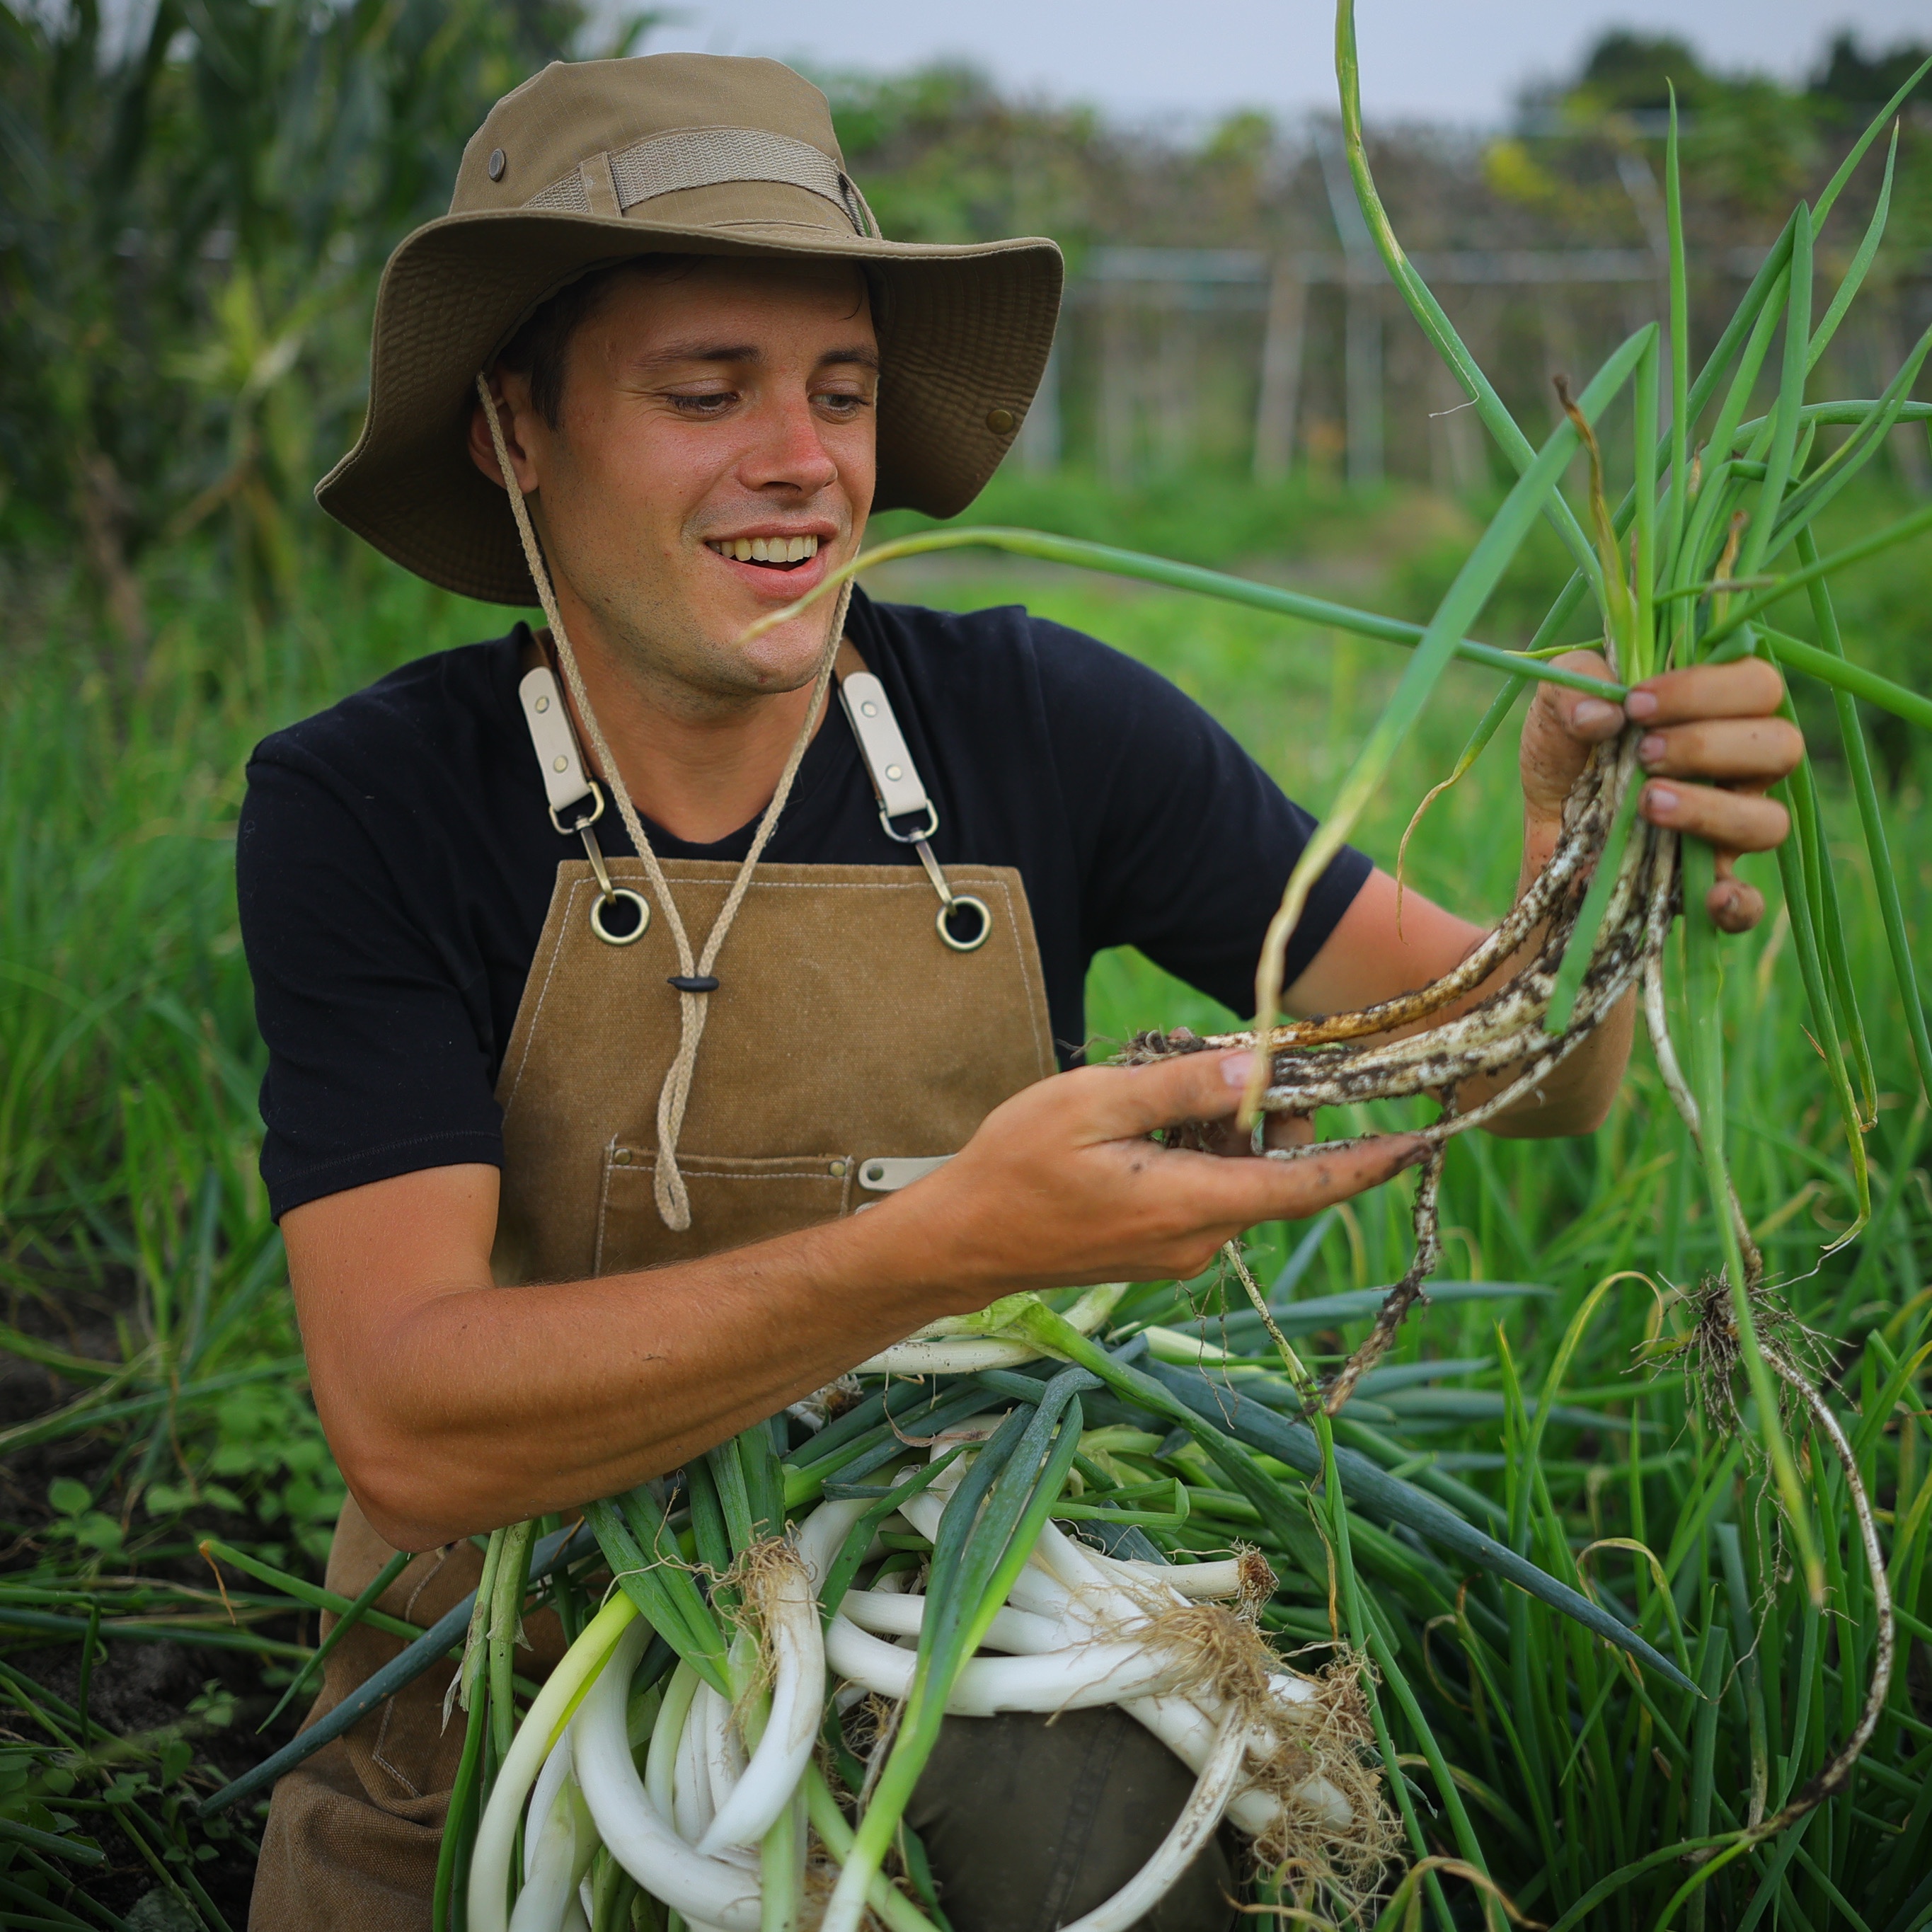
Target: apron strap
x=570 y=790
x=964 y=920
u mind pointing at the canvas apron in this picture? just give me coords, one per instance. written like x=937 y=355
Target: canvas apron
x=846 y=1046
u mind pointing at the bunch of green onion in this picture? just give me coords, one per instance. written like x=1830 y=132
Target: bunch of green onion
x=1047 y=1537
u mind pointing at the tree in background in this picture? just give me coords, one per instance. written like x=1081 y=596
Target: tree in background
x=1849 y=78
x=193 y=214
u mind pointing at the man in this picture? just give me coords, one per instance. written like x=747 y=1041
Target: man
x=555 y=1225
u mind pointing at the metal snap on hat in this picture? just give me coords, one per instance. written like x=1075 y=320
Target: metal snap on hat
x=591 y=162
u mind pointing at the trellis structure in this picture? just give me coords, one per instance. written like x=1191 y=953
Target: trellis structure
x=1171 y=355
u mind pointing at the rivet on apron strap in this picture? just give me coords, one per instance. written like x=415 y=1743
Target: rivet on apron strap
x=901 y=793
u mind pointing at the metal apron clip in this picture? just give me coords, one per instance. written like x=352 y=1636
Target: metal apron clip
x=896 y=780
x=570 y=789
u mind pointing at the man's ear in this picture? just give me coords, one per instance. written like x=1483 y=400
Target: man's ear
x=512 y=394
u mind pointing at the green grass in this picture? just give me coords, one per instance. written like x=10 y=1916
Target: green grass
x=134 y=1239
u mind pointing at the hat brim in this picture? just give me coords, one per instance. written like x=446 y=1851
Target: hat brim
x=964 y=333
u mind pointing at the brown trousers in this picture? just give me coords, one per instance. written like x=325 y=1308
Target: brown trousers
x=353 y=1832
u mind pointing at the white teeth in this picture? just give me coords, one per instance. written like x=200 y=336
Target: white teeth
x=766 y=550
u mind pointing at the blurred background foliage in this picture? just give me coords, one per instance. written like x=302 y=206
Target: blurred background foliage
x=197 y=200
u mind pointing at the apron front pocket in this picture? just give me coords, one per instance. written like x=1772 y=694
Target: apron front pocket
x=733 y=1202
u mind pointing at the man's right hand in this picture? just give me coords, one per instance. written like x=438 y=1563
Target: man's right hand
x=454 y=1405
x=1061 y=1185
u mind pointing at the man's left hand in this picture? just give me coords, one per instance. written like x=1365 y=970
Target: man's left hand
x=1713 y=745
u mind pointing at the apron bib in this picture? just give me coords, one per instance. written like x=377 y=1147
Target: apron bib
x=850 y=1047
x=843 y=1036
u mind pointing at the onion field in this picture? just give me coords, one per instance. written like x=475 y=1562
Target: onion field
x=154 y=1398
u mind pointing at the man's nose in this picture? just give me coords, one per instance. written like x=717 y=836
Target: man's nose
x=790 y=449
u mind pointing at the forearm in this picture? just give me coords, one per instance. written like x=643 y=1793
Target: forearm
x=453 y=1404
x=474 y=1405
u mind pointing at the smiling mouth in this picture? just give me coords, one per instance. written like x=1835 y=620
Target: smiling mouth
x=774 y=553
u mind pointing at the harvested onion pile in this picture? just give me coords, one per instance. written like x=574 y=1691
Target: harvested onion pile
x=690 y=1769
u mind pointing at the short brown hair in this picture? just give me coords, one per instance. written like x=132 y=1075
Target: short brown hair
x=541 y=347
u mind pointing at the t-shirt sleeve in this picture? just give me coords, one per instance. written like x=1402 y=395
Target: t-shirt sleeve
x=1187 y=842
x=368 y=1019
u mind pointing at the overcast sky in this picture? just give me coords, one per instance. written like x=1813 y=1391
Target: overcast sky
x=1438 y=60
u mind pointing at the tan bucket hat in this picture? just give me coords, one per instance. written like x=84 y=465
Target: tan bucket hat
x=592 y=161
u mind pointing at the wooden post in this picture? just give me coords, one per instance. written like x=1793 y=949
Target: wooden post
x=1455 y=452
x=1281 y=373
x=1117 y=412
x=1037 y=446
x=1175 y=402
x=1362 y=358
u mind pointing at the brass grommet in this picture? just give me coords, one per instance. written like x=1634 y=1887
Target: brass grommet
x=621 y=1158
x=999 y=421
x=638 y=905
x=496 y=164
x=967 y=902
x=837 y=1170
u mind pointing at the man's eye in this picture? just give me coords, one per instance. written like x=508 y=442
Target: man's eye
x=711 y=403
x=842 y=404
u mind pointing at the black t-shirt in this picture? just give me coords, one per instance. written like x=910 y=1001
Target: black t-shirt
x=396 y=860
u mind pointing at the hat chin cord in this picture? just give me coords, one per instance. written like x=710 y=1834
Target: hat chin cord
x=668 y=1186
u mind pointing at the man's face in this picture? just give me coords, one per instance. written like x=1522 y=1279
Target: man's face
x=707 y=418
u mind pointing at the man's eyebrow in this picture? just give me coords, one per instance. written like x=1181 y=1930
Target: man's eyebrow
x=701 y=351
x=862 y=354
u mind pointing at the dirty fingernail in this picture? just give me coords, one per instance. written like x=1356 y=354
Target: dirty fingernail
x=1593 y=714
x=1650 y=747
x=1640 y=705
x=1238 y=1069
